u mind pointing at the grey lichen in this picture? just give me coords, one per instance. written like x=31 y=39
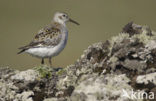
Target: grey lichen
x=146 y=79
x=100 y=88
x=28 y=75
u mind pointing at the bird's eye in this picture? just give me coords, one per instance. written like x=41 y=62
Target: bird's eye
x=64 y=15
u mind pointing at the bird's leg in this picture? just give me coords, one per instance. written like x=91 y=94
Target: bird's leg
x=42 y=62
x=50 y=62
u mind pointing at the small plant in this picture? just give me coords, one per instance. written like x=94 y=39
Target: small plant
x=44 y=71
x=61 y=71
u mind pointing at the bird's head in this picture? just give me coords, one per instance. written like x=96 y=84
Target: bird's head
x=62 y=18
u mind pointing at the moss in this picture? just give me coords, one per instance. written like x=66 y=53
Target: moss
x=44 y=71
x=61 y=71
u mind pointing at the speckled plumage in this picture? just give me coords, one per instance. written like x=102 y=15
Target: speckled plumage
x=48 y=36
x=50 y=40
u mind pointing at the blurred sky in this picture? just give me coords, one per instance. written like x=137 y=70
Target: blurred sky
x=20 y=20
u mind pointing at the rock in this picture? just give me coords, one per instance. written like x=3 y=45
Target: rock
x=100 y=88
x=132 y=28
x=25 y=96
x=134 y=65
x=107 y=71
x=55 y=99
x=7 y=91
x=28 y=75
x=146 y=79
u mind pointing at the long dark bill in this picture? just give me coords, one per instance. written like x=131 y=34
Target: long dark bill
x=74 y=21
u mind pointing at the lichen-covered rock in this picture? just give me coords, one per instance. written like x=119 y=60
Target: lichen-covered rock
x=28 y=75
x=106 y=71
x=102 y=88
x=146 y=79
x=7 y=91
x=25 y=96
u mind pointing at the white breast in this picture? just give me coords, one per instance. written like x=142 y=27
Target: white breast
x=46 y=52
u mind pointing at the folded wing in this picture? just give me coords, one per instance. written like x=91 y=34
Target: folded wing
x=48 y=36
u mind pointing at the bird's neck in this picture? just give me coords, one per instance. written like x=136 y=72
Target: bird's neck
x=59 y=24
x=59 y=21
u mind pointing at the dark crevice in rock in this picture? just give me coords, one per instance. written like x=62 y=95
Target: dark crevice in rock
x=149 y=86
x=120 y=69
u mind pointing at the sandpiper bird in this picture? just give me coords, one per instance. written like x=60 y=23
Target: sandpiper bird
x=50 y=40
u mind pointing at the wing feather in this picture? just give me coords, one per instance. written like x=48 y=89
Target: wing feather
x=48 y=36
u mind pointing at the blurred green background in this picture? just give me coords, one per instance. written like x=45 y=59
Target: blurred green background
x=20 y=20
